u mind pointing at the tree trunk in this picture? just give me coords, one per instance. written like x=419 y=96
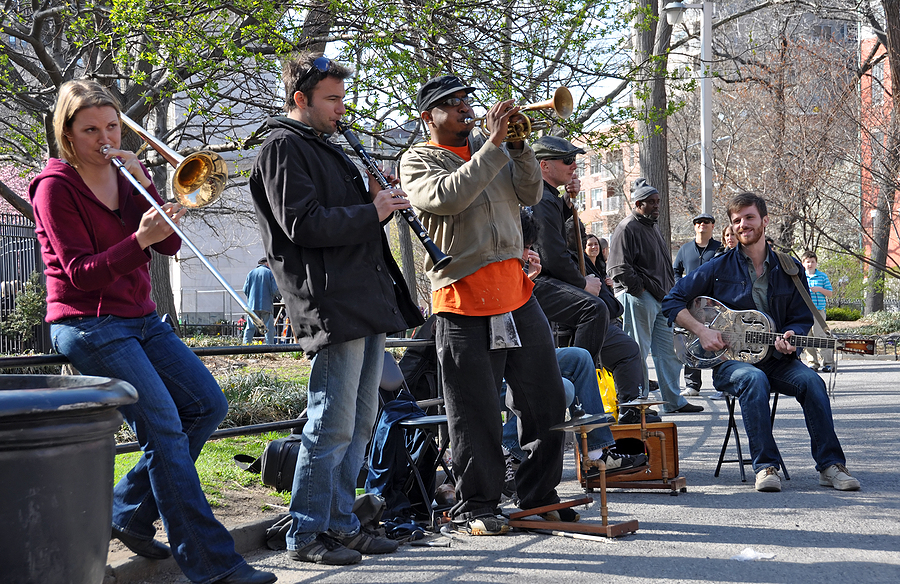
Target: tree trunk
x=889 y=167
x=651 y=42
x=407 y=258
x=160 y=277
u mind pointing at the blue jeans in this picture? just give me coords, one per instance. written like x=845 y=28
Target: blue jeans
x=250 y=328
x=179 y=406
x=343 y=401
x=579 y=379
x=647 y=325
x=751 y=384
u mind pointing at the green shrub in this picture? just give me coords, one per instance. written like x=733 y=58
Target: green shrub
x=29 y=312
x=841 y=313
x=260 y=397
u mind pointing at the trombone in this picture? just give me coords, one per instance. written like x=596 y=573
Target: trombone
x=561 y=103
x=198 y=180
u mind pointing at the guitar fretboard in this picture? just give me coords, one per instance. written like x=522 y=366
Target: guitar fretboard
x=761 y=338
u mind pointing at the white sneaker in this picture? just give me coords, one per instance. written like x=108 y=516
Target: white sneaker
x=690 y=392
x=839 y=477
x=768 y=481
x=717 y=395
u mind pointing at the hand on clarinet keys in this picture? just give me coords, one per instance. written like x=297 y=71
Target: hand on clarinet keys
x=389 y=200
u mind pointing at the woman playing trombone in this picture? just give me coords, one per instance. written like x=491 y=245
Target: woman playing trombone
x=94 y=231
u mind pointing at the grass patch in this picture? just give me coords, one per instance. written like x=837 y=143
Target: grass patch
x=216 y=466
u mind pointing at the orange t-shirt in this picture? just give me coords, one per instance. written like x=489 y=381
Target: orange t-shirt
x=493 y=289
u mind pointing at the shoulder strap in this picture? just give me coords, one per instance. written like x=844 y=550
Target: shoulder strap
x=790 y=268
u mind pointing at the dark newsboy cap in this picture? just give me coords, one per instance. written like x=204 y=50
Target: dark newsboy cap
x=548 y=147
x=437 y=88
x=642 y=190
x=703 y=216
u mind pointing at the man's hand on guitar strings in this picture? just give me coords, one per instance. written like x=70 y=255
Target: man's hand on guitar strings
x=783 y=345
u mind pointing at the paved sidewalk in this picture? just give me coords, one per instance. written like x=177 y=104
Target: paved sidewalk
x=817 y=534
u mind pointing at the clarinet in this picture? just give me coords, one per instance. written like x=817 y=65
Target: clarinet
x=438 y=258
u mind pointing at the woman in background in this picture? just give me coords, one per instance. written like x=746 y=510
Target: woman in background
x=729 y=240
x=94 y=229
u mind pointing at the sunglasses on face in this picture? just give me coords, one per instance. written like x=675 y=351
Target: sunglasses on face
x=703 y=221
x=455 y=101
x=567 y=160
x=321 y=64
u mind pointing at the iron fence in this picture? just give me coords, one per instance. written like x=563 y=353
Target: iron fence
x=20 y=257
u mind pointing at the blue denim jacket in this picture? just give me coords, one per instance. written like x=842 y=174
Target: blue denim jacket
x=725 y=278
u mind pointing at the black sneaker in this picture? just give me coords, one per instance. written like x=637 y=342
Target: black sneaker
x=369 y=544
x=687 y=409
x=488 y=525
x=325 y=550
x=618 y=463
x=633 y=416
x=565 y=515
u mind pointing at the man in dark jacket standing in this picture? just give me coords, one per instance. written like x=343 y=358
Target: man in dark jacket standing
x=583 y=303
x=640 y=264
x=322 y=229
x=691 y=256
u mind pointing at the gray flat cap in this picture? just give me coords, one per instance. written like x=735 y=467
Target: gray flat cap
x=548 y=147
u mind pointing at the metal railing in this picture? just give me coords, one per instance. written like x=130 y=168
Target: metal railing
x=56 y=359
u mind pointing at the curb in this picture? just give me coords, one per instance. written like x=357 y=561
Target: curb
x=247 y=537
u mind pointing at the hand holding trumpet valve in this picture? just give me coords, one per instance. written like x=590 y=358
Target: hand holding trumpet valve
x=498 y=119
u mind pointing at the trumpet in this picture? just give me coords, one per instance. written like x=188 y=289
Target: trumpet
x=199 y=180
x=561 y=103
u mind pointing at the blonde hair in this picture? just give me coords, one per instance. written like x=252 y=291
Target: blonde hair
x=74 y=96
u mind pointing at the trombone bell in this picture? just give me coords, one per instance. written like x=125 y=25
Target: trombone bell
x=199 y=179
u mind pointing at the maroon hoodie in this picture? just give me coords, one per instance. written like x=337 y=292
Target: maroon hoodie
x=94 y=264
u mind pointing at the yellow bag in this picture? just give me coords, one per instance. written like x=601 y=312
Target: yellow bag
x=608 y=392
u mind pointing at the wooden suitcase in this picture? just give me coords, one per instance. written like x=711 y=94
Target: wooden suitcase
x=659 y=450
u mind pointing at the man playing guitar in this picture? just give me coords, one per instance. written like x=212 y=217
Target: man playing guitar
x=750 y=277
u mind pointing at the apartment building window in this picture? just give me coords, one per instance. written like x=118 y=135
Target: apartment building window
x=579 y=166
x=596 y=164
x=596 y=200
x=615 y=163
x=878 y=84
x=614 y=204
x=596 y=228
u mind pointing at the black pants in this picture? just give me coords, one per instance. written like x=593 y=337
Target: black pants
x=472 y=376
x=622 y=356
x=575 y=308
x=693 y=378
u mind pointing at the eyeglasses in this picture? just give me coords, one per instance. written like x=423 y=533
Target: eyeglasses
x=568 y=159
x=455 y=101
x=321 y=64
x=703 y=221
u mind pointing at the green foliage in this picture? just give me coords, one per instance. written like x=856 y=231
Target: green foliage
x=879 y=323
x=29 y=312
x=841 y=313
x=846 y=275
x=260 y=397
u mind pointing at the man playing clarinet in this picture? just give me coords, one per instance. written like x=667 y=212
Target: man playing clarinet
x=322 y=229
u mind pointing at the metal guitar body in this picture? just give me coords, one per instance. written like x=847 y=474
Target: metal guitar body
x=734 y=326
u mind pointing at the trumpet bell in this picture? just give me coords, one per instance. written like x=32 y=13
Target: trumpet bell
x=199 y=179
x=562 y=103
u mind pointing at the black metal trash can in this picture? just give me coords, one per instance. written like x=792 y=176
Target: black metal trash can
x=57 y=450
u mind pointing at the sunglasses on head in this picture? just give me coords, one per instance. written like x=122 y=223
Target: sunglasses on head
x=455 y=101
x=321 y=64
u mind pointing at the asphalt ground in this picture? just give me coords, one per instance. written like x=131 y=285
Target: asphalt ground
x=814 y=533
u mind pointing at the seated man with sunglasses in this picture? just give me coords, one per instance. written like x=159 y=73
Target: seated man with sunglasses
x=581 y=303
x=321 y=225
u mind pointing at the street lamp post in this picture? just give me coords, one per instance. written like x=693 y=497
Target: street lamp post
x=674 y=12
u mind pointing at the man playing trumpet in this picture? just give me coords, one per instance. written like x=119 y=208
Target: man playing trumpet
x=467 y=188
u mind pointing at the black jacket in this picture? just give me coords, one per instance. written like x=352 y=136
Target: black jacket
x=557 y=262
x=324 y=242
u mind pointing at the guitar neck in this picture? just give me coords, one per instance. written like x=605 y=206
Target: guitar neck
x=761 y=338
